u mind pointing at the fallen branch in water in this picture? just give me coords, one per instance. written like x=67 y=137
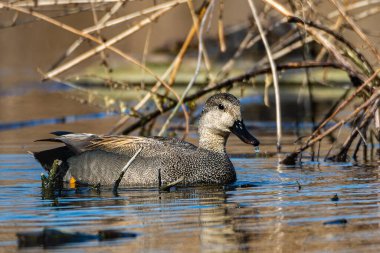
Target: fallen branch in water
x=117 y=182
x=174 y=183
x=52 y=182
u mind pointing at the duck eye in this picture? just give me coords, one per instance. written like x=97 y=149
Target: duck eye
x=221 y=107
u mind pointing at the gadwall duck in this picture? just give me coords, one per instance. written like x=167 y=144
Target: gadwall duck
x=98 y=159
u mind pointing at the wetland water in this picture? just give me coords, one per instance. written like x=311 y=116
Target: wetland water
x=270 y=209
x=265 y=211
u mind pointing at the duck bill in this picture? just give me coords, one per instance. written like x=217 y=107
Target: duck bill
x=241 y=131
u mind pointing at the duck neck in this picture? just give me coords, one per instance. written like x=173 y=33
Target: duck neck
x=213 y=140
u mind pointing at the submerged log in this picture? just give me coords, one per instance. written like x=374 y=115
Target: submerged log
x=53 y=237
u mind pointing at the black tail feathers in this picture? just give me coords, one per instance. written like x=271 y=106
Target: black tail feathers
x=47 y=157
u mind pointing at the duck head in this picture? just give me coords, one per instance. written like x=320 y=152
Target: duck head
x=221 y=116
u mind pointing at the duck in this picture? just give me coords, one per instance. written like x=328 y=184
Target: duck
x=92 y=159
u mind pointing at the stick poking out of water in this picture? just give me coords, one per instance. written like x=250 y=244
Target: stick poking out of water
x=117 y=182
x=168 y=186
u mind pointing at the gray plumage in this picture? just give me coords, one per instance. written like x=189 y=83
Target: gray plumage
x=93 y=159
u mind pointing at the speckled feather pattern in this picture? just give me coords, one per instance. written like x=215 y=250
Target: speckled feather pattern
x=100 y=159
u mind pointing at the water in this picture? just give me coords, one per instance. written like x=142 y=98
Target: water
x=271 y=209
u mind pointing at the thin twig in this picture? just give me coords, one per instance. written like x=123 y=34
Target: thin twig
x=107 y=45
x=356 y=28
x=39 y=3
x=314 y=32
x=174 y=183
x=222 y=42
x=357 y=57
x=103 y=55
x=194 y=78
x=79 y=41
x=122 y=172
x=345 y=103
x=141 y=13
x=274 y=73
x=229 y=82
x=196 y=22
x=102 y=46
x=342 y=155
x=99 y=48
x=179 y=58
x=106 y=22
x=353 y=6
x=369 y=102
x=173 y=68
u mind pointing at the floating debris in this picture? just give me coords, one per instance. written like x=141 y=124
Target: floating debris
x=240 y=184
x=124 y=169
x=54 y=237
x=51 y=238
x=299 y=185
x=172 y=184
x=51 y=183
x=336 y=222
x=111 y=234
x=335 y=198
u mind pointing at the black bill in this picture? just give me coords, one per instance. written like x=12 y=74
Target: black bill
x=241 y=131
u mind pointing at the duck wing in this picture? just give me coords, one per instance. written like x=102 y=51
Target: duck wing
x=120 y=144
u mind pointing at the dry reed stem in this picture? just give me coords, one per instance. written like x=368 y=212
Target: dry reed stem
x=345 y=103
x=353 y=6
x=222 y=41
x=368 y=116
x=105 y=22
x=145 y=54
x=107 y=45
x=312 y=31
x=102 y=46
x=367 y=103
x=79 y=41
x=99 y=48
x=37 y=3
x=353 y=54
x=173 y=68
x=224 y=71
x=103 y=56
x=366 y=14
x=194 y=78
x=142 y=13
x=124 y=169
x=356 y=28
x=178 y=60
x=228 y=83
x=196 y=22
x=335 y=27
x=314 y=138
x=274 y=73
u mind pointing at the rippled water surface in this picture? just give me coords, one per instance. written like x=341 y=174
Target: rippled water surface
x=270 y=208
